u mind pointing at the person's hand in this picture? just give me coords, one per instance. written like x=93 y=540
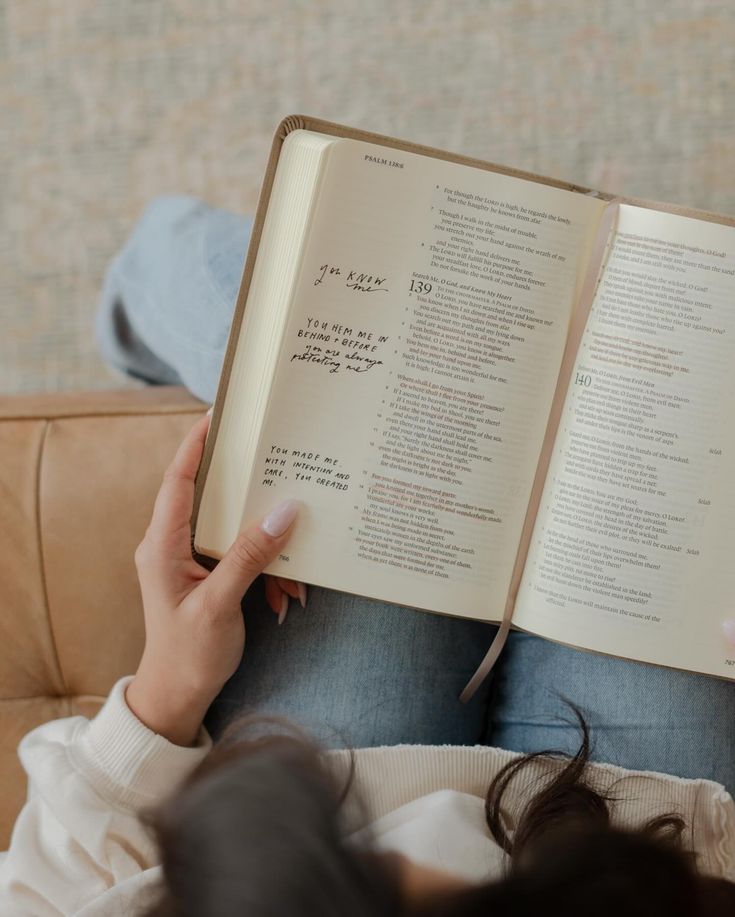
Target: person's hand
x=195 y=633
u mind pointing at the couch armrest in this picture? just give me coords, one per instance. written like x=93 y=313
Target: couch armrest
x=78 y=476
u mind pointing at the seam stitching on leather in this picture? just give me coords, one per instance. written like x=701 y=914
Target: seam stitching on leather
x=189 y=409
x=69 y=698
x=44 y=585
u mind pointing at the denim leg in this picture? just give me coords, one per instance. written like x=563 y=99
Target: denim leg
x=641 y=716
x=357 y=672
x=351 y=670
x=167 y=301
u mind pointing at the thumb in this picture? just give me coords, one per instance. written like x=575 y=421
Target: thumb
x=254 y=548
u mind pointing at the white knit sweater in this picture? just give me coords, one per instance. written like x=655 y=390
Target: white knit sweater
x=79 y=848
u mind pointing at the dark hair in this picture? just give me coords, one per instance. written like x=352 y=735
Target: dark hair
x=567 y=858
x=256 y=831
x=568 y=800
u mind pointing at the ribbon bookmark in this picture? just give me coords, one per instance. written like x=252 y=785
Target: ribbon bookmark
x=595 y=265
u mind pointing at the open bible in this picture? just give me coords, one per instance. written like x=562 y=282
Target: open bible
x=495 y=393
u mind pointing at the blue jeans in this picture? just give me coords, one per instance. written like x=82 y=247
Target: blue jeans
x=362 y=672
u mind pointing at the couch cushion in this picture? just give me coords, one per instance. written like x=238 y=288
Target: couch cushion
x=78 y=476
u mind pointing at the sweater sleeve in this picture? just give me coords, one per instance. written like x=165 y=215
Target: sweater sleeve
x=79 y=833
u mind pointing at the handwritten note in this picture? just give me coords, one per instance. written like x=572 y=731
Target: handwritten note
x=357 y=281
x=305 y=466
x=339 y=347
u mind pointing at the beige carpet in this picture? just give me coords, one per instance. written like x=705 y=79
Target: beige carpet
x=106 y=103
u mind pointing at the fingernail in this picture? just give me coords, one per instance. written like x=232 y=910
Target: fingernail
x=211 y=408
x=284 y=609
x=728 y=629
x=279 y=518
x=302 y=594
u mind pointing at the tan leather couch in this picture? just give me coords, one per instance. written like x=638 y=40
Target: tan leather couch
x=78 y=475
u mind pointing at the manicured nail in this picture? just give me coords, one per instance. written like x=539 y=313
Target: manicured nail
x=211 y=408
x=284 y=609
x=302 y=594
x=279 y=518
x=728 y=629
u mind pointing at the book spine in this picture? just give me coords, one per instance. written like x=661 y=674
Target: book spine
x=289 y=124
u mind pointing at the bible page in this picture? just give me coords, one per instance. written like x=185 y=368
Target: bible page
x=632 y=549
x=415 y=376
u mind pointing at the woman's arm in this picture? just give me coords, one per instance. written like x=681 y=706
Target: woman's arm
x=79 y=833
x=194 y=626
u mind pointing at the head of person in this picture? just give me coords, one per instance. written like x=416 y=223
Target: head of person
x=257 y=831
